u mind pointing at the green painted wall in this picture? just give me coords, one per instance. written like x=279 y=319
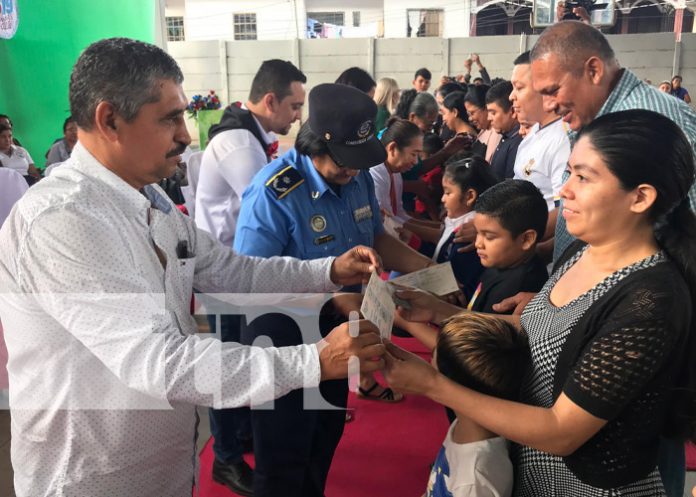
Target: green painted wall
x=35 y=65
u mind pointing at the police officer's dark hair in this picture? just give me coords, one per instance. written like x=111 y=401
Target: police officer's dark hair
x=5 y=116
x=357 y=78
x=309 y=143
x=275 y=76
x=476 y=96
x=500 y=94
x=67 y=121
x=412 y=102
x=400 y=131
x=517 y=205
x=448 y=88
x=4 y=127
x=471 y=172
x=455 y=101
x=424 y=73
x=124 y=72
x=523 y=59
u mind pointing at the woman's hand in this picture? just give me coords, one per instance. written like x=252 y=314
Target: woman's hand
x=408 y=373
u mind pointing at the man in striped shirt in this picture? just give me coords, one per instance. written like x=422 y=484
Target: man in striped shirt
x=576 y=71
x=580 y=79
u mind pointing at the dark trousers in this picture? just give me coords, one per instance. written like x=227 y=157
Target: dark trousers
x=294 y=446
x=229 y=427
x=672 y=465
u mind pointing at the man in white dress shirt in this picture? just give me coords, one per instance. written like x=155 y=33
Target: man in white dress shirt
x=96 y=271
x=240 y=145
x=243 y=143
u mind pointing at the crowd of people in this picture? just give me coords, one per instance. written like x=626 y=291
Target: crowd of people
x=562 y=195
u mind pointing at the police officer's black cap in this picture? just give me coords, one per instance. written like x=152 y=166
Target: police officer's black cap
x=344 y=117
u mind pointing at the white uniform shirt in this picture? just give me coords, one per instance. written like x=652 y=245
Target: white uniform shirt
x=476 y=469
x=381 y=177
x=105 y=366
x=12 y=187
x=19 y=160
x=451 y=224
x=542 y=157
x=230 y=161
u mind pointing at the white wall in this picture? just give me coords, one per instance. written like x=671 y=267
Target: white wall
x=175 y=8
x=456 y=20
x=214 y=20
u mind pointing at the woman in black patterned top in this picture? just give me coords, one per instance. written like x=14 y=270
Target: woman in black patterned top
x=611 y=332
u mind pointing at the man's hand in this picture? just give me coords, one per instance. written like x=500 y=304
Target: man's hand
x=465 y=234
x=355 y=266
x=339 y=346
x=476 y=59
x=467 y=65
x=516 y=303
x=408 y=373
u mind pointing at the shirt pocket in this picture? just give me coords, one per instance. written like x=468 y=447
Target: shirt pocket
x=184 y=270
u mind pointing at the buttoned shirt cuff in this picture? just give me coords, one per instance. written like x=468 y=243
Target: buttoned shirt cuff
x=312 y=373
x=330 y=286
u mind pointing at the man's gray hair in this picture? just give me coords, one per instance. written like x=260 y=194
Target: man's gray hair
x=573 y=42
x=120 y=71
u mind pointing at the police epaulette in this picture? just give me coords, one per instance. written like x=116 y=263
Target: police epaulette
x=284 y=182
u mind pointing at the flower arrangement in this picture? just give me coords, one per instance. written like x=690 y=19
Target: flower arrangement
x=199 y=102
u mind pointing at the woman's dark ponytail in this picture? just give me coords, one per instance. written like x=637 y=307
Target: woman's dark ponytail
x=676 y=234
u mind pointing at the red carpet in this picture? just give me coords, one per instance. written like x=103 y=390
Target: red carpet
x=385 y=451
x=690 y=457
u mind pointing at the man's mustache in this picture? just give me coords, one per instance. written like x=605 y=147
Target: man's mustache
x=177 y=151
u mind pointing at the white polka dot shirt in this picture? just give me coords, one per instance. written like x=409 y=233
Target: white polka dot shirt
x=105 y=368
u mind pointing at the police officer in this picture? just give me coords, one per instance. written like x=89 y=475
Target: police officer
x=316 y=200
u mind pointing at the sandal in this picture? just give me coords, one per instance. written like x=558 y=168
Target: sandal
x=387 y=395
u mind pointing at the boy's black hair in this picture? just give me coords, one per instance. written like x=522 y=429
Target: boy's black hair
x=500 y=94
x=517 y=205
x=423 y=72
x=470 y=172
x=484 y=353
x=448 y=88
x=432 y=143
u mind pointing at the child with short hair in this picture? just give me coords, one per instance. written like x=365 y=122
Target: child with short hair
x=491 y=356
x=510 y=220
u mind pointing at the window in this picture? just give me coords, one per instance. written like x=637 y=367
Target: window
x=175 y=28
x=424 y=22
x=245 y=26
x=356 y=18
x=335 y=18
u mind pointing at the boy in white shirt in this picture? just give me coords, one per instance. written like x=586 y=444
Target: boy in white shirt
x=491 y=356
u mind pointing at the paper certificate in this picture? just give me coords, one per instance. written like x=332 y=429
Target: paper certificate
x=438 y=279
x=378 y=306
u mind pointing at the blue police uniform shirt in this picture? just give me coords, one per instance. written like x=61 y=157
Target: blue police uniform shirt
x=290 y=210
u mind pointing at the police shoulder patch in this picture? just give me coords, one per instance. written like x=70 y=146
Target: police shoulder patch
x=284 y=182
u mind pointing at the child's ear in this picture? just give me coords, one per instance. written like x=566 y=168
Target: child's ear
x=470 y=197
x=391 y=147
x=529 y=238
